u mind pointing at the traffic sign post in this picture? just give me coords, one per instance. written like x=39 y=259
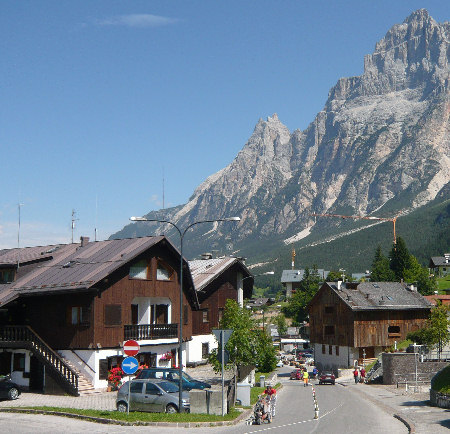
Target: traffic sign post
x=130 y=364
x=222 y=336
x=131 y=348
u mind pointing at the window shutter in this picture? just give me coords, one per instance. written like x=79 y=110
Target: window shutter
x=103 y=369
x=113 y=314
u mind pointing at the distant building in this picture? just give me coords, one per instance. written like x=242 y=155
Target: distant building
x=440 y=265
x=291 y=279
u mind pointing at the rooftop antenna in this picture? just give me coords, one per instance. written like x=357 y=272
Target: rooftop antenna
x=96 y=214
x=73 y=222
x=19 y=205
x=163 y=187
x=293 y=258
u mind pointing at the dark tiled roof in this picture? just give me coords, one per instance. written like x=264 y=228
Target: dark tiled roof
x=379 y=296
x=74 y=267
x=440 y=261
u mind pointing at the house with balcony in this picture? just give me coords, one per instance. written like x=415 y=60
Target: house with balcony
x=354 y=322
x=215 y=281
x=66 y=310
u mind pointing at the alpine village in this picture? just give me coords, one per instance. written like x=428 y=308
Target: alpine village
x=325 y=251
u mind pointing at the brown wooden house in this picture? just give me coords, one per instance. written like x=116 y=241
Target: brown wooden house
x=67 y=309
x=215 y=281
x=350 y=322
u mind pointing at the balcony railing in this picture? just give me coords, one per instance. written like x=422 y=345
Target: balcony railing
x=141 y=332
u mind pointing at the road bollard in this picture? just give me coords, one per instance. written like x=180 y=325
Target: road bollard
x=316 y=412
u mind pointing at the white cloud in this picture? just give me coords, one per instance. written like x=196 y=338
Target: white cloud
x=137 y=20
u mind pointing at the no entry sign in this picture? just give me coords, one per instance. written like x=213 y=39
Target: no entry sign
x=131 y=348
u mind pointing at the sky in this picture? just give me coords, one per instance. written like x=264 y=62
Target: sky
x=100 y=101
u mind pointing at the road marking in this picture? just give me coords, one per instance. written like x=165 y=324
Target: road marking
x=295 y=423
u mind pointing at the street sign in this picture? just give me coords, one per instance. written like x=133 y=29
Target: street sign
x=226 y=356
x=130 y=365
x=226 y=335
x=131 y=348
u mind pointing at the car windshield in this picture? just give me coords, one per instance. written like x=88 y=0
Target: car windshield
x=186 y=377
x=168 y=386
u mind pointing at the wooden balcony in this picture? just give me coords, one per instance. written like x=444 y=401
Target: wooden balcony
x=143 y=332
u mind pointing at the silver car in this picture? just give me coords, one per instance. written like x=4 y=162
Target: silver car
x=152 y=395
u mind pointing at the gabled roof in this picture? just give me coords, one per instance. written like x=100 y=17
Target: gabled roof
x=27 y=254
x=204 y=271
x=440 y=261
x=297 y=275
x=74 y=267
x=377 y=296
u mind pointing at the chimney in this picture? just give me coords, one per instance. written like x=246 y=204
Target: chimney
x=339 y=282
x=84 y=241
x=206 y=256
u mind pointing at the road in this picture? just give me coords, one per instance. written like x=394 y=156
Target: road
x=341 y=410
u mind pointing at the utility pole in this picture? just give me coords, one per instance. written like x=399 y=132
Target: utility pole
x=293 y=258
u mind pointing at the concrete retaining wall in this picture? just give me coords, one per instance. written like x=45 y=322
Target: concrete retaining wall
x=439 y=399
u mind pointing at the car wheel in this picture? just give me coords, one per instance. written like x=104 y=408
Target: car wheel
x=122 y=407
x=171 y=409
x=13 y=393
x=333 y=383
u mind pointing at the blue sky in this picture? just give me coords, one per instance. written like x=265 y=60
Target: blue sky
x=99 y=98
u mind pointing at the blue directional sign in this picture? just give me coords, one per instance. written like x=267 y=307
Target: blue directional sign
x=130 y=365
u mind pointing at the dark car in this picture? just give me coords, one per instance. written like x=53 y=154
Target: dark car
x=8 y=389
x=327 y=377
x=172 y=374
x=151 y=395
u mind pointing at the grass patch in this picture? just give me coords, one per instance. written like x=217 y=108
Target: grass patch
x=443 y=283
x=136 y=416
x=441 y=383
x=254 y=393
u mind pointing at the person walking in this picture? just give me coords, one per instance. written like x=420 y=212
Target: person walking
x=363 y=375
x=272 y=394
x=305 y=378
x=355 y=374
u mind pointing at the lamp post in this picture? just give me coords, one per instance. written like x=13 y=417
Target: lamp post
x=182 y=233
x=252 y=277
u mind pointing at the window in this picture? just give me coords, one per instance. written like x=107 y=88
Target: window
x=151 y=389
x=136 y=387
x=394 y=332
x=329 y=309
x=323 y=349
x=329 y=330
x=330 y=350
x=205 y=350
x=205 y=315
x=337 y=350
x=140 y=270
x=113 y=314
x=78 y=315
x=6 y=276
x=19 y=362
x=164 y=271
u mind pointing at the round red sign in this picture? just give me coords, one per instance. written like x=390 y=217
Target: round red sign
x=131 y=348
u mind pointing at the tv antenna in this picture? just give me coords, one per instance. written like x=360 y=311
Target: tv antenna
x=73 y=222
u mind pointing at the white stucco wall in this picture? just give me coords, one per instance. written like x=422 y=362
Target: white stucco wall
x=194 y=347
x=17 y=376
x=326 y=361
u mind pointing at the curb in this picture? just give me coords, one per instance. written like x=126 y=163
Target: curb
x=107 y=421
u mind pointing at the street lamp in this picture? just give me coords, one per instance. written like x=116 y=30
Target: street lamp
x=251 y=277
x=182 y=233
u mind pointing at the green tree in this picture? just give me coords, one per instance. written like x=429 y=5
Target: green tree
x=334 y=276
x=308 y=287
x=380 y=268
x=265 y=356
x=435 y=334
x=426 y=284
x=280 y=322
x=246 y=344
x=400 y=259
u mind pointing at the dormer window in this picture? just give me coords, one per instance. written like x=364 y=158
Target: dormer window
x=7 y=275
x=164 y=271
x=140 y=270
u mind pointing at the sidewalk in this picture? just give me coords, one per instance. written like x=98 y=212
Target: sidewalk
x=413 y=409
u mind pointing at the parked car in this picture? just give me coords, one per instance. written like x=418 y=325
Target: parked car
x=172 y=374
x=296 y=374
x=8 y=389
x=160 y=396
x=280 y=364
x=327 y=377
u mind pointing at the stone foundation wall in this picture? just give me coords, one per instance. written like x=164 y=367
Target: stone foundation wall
x=401 y=367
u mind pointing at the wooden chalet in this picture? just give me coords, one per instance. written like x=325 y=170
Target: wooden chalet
x=215 y=281
x=65 y=310
x=350 y=322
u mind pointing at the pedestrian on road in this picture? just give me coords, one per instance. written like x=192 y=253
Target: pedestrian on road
x=305 y=378
x=315 y=372
x=355 y=374
x=363 y=375
x=272 y=393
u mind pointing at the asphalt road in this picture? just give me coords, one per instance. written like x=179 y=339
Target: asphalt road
x=341 y=410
